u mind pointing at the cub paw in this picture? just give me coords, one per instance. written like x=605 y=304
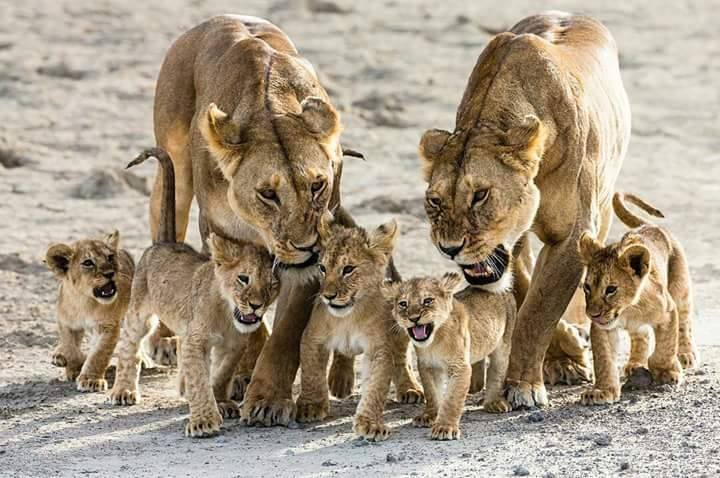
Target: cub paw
x=441 y=431
x=371 y=430
x=308 y=412
x=667 y=376
x=688 y=360
x=599 y=396
x=229 y=409
x=341 y=378
x=261 y=411
x=59 y=360
x=411 y=395
x=239 y=387
x=522 y=395
x=163 y=351
x=424 y=420
x=202 y=425
x=499 y=405
x=85 y=384
x=123 y=396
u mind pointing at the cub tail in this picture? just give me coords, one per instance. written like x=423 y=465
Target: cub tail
x=628 y=218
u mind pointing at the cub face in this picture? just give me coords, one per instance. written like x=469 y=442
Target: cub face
x=352 y=263
x=614 y=278
x=422 y=305
x=244 y=273
x=89 y=266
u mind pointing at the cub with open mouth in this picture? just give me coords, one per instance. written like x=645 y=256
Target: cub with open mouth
x=215 y=304
x=351 y=317
x=95 y=278
x=451 y=332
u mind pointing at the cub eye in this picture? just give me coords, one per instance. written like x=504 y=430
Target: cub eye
x=586 y=288
x=434 y=201
x=611 y=289
x=111 y=258
x=269 y=194
x=403 y=304
x=317 y=186
x=428 y=301
x=322 y=268
x=88 y=263
x=348 y=270
x=480 y=196
x=243 y=279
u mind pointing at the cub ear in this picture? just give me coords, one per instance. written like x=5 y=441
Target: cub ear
x=389 y=289
x=431 y=144
x=320 y=118
x=219 y=249
x=58 y=259
x=383 y=238
x=636 y=258
x=112 y=239
x=528 y=139
x=450 y=282
x=324 y=225
x=224 y=139
x=587 y=246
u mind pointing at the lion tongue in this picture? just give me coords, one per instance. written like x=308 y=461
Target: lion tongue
x=420 y=332
x=481 y=268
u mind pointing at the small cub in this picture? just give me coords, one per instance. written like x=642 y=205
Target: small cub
x=215 y=305
x=639 y=282
x=352 y=317
x=451 y=332
x=95 y=278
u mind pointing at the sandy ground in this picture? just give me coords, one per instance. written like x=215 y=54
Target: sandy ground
x=76 y=89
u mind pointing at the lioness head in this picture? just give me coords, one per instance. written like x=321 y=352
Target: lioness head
x=614 y=278
x=352 y=263
x=422 y=305
x=244 y=273
x=88 y=266
x=281 y=174
x=481 y=195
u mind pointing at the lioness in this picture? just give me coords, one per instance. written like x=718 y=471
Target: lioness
x=254 y=138
x=540 y=135
x=451 y=332
x=95 y=278
x=642 y=280
x=214 y=304
x=352 y=317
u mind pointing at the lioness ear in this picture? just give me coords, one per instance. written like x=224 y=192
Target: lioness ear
x=637 y=259
x=529 y=141
x=450 y=281
x=218 y=249
x=58 y=258
x=431 y=144
x=323 y=227
x=223 y=137
x=320 y=118
x=587 y=246
x=383 y=238
x=113 y=239
x=389 y=289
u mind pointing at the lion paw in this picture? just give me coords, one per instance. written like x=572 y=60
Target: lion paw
x=260 y=411
x=123 y=396
x=411 y=395
x=424 y=420
x=59 y=360
x=442 y=431
x=667 y=376
x=163 y=351
x=239 y=387
x=341 y=378
x=229 y=409
x=566 y=371
x=85 y=384
x=523 y=395
x=499 y=405
x=688 y=359
x=371 y=430
x=308 y=412
x=202 y=425
x=599 y=396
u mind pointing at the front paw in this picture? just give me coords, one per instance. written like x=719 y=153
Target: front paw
x=267 y=410
x=424 y=420
x=667 y=376
x=688 y=359
x=120 y=395
x=86 y=384
x=522 y=395
x=203 y=424
x=410 y=395
x=239 y=387
x=499 y=405
x=370 y=429
x=59 y=360
x=443 y=431
x=308 y=412
x=599 y=396
x=341 y=378
x=567 y=371
x=229 y=409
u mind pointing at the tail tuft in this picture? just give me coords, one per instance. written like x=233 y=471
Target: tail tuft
x=628 y=218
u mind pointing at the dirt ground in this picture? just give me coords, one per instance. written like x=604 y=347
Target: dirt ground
x=76 y=90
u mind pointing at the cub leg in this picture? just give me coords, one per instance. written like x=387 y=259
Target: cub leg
x=663 y=363
x=125 y=389
x=494 y=400
x=447 y=424
x=253 y=346
x=639 y=350
x=92 y=375
x=477 y=382
x=341 y=378
x=680 y=288
x=313 y=404
x=68 y=353
x=432 y=383
x=607 y=381
x=368 y=422
x=228 y=355
x=407 y=389
x=205 y=418
x=162 y=346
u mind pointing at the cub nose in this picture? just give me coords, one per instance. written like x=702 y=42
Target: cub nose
x=415 y=319
x=595 y=315
x=330 y=296
x=109 y=275
x=451 y=251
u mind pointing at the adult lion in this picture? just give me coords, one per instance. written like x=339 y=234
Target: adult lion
x=540 y=135
x=253 y=136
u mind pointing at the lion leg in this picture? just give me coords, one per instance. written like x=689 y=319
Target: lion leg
x=68 y=353
x=639 y=350
x=268 y=400
x=368 y=422
x=447 y=424
x=607 y=381
x=92 y=375
x=407 y=389
x=254 y=345
x=431 y=382
x=205 y=417
x=135 y=327
x=664 y=364
x=313 y=404
x=554 y=282
x=524 y=262
x=341 y=377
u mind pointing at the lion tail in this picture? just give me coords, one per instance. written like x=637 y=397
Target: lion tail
x=166 y=231
x=627 y=217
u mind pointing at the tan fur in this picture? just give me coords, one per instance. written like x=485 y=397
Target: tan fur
x=642 y=280
x=254 y=138
x=352 y=317
x=539 y=138
x=82 y=268
x=466 y=328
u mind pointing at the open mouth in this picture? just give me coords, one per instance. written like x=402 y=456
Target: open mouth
x=246 y=319
x=420 y=332
x=105 y=292
x=310 y=261
x=488 y=271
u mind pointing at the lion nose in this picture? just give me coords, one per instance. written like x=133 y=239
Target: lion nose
x=415 y=319
x=254 y=307
x=109 y=275
x=451 y=251
x=595 y=315
x=330 y=296
x=305 y=247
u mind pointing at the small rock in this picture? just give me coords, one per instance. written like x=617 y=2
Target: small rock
x=99 y=184
x=289 y=452
x=639 y=379
x=329 y=463
x=602 y=439
x=535 y=417
x=466 y=455
x=293 y=425
x=549 y=474
x=327 y=6
x=462 y=19
x=360 y=442
x=521 y=470
x=62 y=70
x=642 y=431
x=624 y=466
x=390 y=458
x=10 y=159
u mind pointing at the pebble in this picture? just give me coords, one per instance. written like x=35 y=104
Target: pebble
x=466 y=455
x=360 y=442
x=535 y=417
x=642 y=431
x=520 y=470
x=390 y=458
x=549 y=474
x=329 y=463
x=602 y=439
x=624 y=466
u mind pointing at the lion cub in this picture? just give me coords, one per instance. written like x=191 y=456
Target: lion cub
x=215 y=305
x=450 y=333
x=642 y=280
x=95 y=278
x=351 y=317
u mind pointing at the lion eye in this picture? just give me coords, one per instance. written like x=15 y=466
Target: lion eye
x=88 y=263
x=434 y=201
x=586 y=288
x=428 y=301
x=270 y=195
x=111 y=258
x=243 y=279
x=403 y=304
x=322 y=268
x=610 y=290
x=317 y=186
x=348 y=270
x=480 y=196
